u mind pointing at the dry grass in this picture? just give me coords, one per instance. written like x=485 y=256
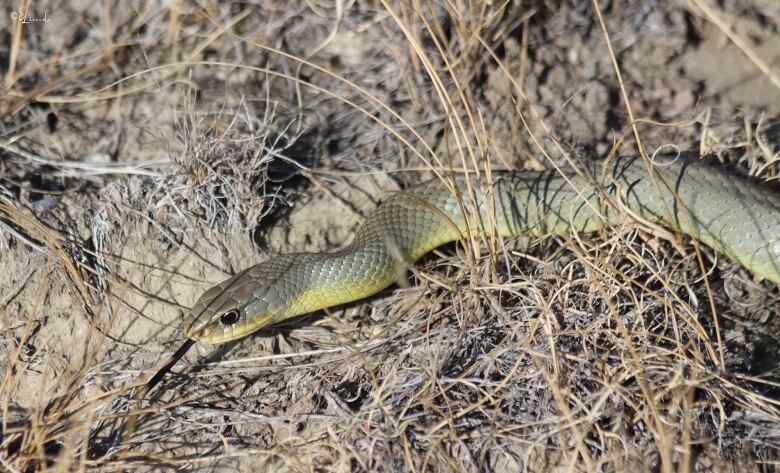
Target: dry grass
x=164 y=147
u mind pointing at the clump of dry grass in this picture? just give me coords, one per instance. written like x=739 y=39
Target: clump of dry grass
x=579 y=353
x=221 y=174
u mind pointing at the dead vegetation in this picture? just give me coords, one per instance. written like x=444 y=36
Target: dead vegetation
x=148 y=150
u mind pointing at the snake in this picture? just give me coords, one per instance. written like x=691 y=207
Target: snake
x=732 y=215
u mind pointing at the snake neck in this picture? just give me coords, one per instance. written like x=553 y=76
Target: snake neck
x=397 y=234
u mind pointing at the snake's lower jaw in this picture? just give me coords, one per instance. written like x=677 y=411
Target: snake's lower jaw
x=204 y=334
x=215 y=332
x=251 y=325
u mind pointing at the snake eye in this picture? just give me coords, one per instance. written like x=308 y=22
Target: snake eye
x=229 y=318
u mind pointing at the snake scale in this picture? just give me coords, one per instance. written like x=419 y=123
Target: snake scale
x=731 y=215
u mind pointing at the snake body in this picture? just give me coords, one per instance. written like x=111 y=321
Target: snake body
x=731 y=215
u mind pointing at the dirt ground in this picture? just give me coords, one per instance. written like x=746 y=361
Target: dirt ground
x=150 y=150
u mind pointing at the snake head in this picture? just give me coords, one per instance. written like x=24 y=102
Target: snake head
x=233 y=309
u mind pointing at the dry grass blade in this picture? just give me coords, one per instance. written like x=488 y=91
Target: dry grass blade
x=40 y=237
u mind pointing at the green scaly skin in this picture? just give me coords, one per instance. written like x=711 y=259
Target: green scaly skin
x=731 y=215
